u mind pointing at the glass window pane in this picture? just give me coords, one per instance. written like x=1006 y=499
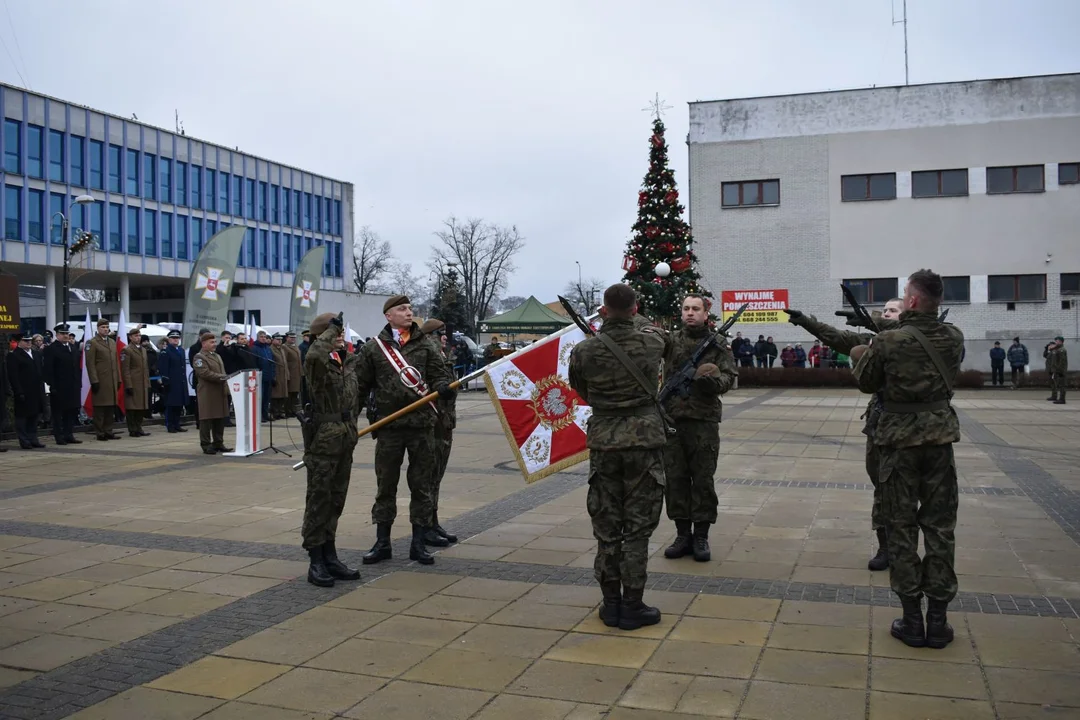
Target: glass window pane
x=56 y=156
x=149 y=176
x=34 y=151
x=76 y=161
x=1070 y=283
x=957 y=289
x=210 y=189
x=1068 y=173
x=924 y=184
x=196 y=236
x=750 y=194
x=166 y=235
x=1001 y=288
x=859 y=288
x=730 y=194
x=223 y=193
x=165 y=171
x=1030 y=178
x=132 y=169
x=954 y=182
x=770 y=193
x=12 y=212
x=36 y=212
x=196 y=187
x=12 y=143
x=883 y=289
x=853 y=187
x=150 y=232
x=97 y=164
x=883 y=186
x=249 y=198
x=237 y=181
x=115 y=237
x=1032 y=287
x=181 y=184
x=133 y=230
x=999 y=180
x=56 y=225
x=114 y=168
x=182 y=237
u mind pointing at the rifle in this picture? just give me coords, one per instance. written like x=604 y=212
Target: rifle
x=944 y=314
x=862 y=316
x=578 y=320
x=680 y=381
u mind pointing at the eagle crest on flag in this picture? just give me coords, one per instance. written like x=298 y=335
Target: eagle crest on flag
x=543 y=418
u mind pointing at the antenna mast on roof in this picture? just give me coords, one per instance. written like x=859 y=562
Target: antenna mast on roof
x=903 y=21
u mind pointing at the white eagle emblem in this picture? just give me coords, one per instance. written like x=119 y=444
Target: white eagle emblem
x=211 y=283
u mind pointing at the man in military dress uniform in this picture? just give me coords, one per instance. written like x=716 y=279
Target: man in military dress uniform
x=63 y=373
x=329 y=439
x=691 y=453
x=103 y=369
x=843 y=341
x=914 y=367
x=173 y=381
x=136 y=374
x=280 y=393
x=626 y=438
x=296 y=373
x=444 y=437
x=1057 y=365
x=24 y=371
x=213 y=395
x=401 y=366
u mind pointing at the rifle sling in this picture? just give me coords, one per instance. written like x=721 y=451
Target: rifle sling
x=935 y=356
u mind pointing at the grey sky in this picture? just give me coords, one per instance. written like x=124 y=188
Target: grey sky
x=517 y=112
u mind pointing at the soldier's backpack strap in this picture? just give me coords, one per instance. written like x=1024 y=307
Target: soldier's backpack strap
x=935 y=356
x=635 y=372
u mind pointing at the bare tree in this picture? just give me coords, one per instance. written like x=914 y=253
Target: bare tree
x=400 y=280
x=586 y=294
x=483 y=253
x=510 y=302
x=372 y=259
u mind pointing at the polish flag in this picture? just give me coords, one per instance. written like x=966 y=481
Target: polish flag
x=87 y=400
x=348 y=338
x=121 y=343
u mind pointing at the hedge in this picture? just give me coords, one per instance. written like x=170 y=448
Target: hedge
x=830 y=377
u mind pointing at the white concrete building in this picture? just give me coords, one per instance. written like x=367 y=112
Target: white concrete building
x=979 y=181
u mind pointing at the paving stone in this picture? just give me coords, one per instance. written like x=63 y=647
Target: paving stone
x=712 y=696
x=50 y=589
x=10 y=676
x=820 y=638
x=113 y=597
x=948 y=680
x=656 y=691
x=599 y=650
x=779 y=701
x=284 y=647
x=1034 y=686
x=158 y=558
x=593 y=624
x=108 y=572
x=468 y=669
x=233 y=585
x=816 y=613
x=812 y=668
x=446 y=607
x=417 y=630
x=181 y=603
x=482 y=589
x=573 y=681
x=119 y=626
x=49 y=617
x=432 y=702
x=734 y=608
x=9 y=605
x=315 y=690
x=169 y=579
x=699 y=658
x=224 y=678
x=727 y=632
x=11 y=636
x=371 y=657
x=369 y=598
x=413 y=582
x=515 y=707
x=895 y=706
x=46 y=652
x=540 y=615
x=501 y=639
x=141 y=703
x=50 y=566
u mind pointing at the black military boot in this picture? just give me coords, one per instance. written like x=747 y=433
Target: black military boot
x=1061 y=400
x=441 y=530
x=317 y=573
x=1052 y=398
x=909 y=629
x=335 y=567
x=433 y=538
x=702 y=553
x=683 y=545
x=417 y=551
x=381 y=549
x=634 y=613
x=881 y=560
x=939 y=632
x=609 y=609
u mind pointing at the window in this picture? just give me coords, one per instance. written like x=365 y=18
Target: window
x=149 y=176
x=211 y=229
x=165 y=170
x=196 y=187
x=223 y=193
x=879 y=186
x=210 y=196
x=116 y=243
x=316 y=203
x=1068 y=173
x=97 y=223
x=133 y=230
x=957 y=289
x=1017 y=179
x=298 y=249
x=196 y=236
x=285 y=217
x=286 y=252
x=35 y=209
x=307 y=211
x=1012 y=288
x=1070 y=283
x=274 y=192
x=337 y=217
x=262 y=201
x=56 y=225
x=328 y=261
x=181 y=237
x=166 y=235
x=97 y=164
x=750 y=193
x=114 y=168
x=56 y=155
x=873 y=291
x=12 y=212
x=337 y=260
x=249 y=199
x=264 y=249
x=939 y=183
x=150 y=232
x=75 y=145
x=181 y=184
x=236 y=195
x=12 y=146
x=249 y=242
x=275 y=251
x=34 y=166
x=296 y=208
x=131 y=169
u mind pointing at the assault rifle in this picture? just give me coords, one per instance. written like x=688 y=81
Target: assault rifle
x=861 y=316
x=680 y=381
x=944 y=314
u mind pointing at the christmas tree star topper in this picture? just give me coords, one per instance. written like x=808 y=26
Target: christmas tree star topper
x=656 y=107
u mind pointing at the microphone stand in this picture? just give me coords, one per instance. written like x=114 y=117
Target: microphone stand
x=270 y=415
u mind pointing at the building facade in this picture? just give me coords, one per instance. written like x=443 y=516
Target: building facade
x=979 y=181
x=158 y=197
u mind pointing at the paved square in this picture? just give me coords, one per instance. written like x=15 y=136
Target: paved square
x=143 y=579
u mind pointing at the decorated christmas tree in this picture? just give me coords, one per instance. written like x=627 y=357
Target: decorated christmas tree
x=659 y=262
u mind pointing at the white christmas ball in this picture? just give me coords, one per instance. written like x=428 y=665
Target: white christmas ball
x=663 y=269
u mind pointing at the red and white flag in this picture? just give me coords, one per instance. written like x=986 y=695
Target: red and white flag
x=544 y=419
x=87 y=400
x=348 y=338
x=121 y=343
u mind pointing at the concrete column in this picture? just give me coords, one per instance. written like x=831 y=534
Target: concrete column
x=125 y=296
x=51 y=291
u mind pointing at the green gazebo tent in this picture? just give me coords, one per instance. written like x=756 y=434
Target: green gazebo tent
x=531 y=317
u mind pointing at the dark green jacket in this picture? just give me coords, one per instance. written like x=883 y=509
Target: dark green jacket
x=898 y=366
x=375 y=372
x=703 y=402
x=1057 y=361
x=332 y=389
x=447 y=408
x=624 y=417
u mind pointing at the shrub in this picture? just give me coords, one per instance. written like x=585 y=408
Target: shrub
x=795 y=377
x=970 y=379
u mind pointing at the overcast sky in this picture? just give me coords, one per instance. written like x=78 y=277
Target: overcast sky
x=526 y=113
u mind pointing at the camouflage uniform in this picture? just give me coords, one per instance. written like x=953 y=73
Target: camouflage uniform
x=625 y=439
x=329 y=437
x=914 y=435
x=1057 y=364
x=691 y=453
x=444 y=429
x=412 y=433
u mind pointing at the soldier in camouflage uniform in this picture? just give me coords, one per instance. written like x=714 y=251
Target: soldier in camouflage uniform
x=444 y=438
x=914 y=367
x=626 y=464
x=329 y=439
x=1057 y=365
x=843 y=341
x=691 y=453
x=413 y=433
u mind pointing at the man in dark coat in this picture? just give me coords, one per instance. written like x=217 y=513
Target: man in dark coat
x=264 y=361
x=24 y=374
x=4 y=392
x=62 y=370
x=173 y=373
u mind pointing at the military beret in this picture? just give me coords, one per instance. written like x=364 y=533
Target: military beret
x=1059 y=338
x=175 y=334
x=431 y=326
x=393 y=301
x=135 y=330
x=319 y=324
x=103 y=323
x=207 y=336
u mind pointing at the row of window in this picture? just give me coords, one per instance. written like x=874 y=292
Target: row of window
x=1000 y=288
x=165 y=180
x=137 y=231
x=924 y=184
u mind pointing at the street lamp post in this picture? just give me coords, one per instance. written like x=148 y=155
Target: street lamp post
x=65 y=226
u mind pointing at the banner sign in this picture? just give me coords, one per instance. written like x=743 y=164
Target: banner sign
x=211 y=284
x=9 y=304
x=766 y=306
x=304 y=305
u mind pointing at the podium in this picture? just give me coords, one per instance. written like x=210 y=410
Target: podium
x=245 y=387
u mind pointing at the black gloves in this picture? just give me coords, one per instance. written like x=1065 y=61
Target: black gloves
x=94 y=387
x=795 y=317
x=338 y=321
x=130 y=392
x=445 y=391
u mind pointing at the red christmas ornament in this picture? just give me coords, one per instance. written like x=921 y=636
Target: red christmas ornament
x=666 y=247
x=672 y=197
x=642 y=197
x=652 y=231
x=680 y=264
x=629 y=263
x=657 y=140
